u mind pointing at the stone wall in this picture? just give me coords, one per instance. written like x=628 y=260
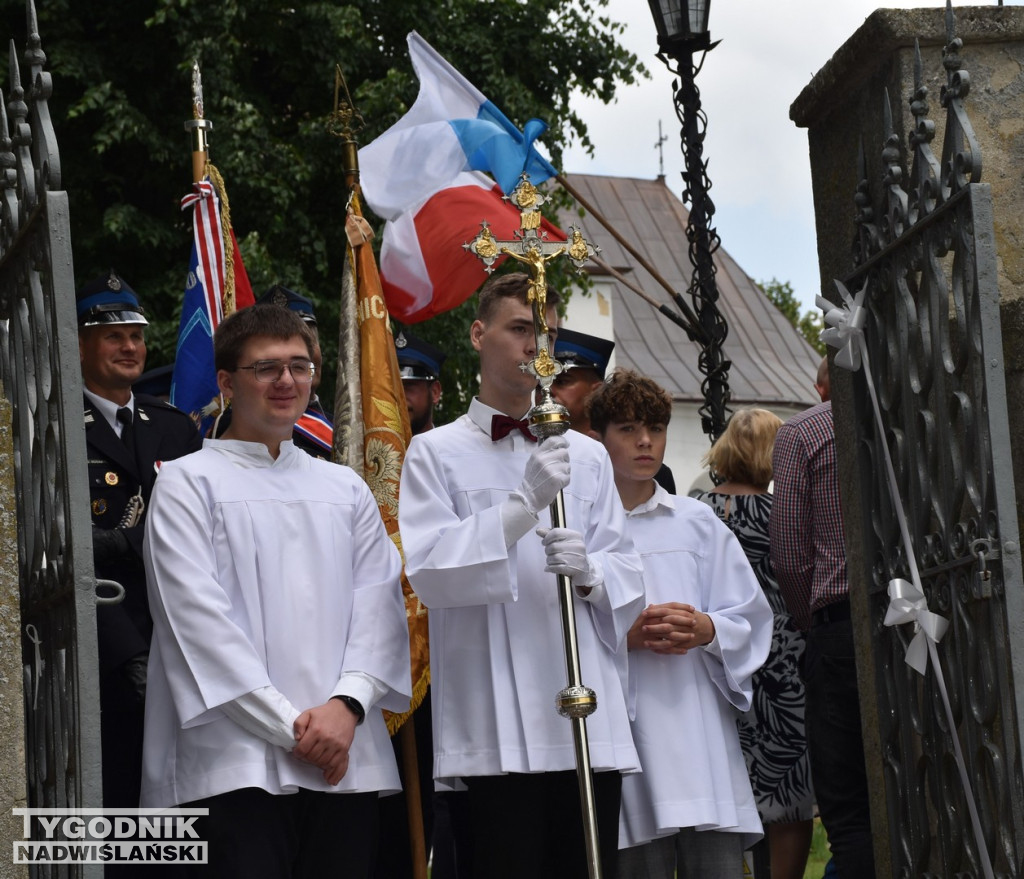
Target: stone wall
x=844 y=101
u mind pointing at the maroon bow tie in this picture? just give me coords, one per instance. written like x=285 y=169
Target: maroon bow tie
x=502 y=426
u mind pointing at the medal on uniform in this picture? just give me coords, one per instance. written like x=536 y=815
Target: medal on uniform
x=110 y=477
x=99 y=507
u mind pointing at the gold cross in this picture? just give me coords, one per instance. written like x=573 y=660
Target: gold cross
x=532 y=247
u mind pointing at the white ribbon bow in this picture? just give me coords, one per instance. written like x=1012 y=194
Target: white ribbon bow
x=907 y=604
x=845 y=325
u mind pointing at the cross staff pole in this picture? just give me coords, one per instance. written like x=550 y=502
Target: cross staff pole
x=532 y=248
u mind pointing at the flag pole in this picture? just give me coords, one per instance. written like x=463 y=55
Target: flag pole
x=343 y=123
x=198 y=126
x=689 y=320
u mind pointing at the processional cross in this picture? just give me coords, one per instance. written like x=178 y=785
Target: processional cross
x=534 y=249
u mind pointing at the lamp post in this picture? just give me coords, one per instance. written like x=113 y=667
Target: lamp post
x=682 y=31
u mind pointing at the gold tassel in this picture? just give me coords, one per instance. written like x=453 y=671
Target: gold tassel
x=225 y=230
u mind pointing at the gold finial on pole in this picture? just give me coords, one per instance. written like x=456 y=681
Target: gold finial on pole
x=531 y=247
x=198 y=125
x=346 y=122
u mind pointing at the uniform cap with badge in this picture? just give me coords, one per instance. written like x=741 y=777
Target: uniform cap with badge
x=108 y=300
x=280 y=295
x=584 y=351
x=418 y=360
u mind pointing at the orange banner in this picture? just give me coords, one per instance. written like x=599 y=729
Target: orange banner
x=386 y=435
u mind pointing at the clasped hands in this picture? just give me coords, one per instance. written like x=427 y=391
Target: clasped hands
x=670 y=629
x=323 y=737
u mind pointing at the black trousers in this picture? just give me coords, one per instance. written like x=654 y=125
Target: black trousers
x=394 y=853
x=306 y=835
x=532 y=825
x=836 y=747
x=451 y=847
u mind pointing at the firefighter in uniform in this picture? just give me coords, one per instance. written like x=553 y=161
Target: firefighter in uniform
x=127 y=436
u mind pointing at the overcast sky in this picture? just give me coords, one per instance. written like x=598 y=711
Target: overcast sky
x=758 y=163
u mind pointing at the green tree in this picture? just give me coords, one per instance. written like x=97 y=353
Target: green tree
x=122 y=92
x=809 y=324
x=810 y=327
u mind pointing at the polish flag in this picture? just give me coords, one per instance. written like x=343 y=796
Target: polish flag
x=425 y=270
x=417 y=176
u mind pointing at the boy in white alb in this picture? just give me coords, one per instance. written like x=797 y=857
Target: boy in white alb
x=473 y=495
x=706 y=630
x=278 y=626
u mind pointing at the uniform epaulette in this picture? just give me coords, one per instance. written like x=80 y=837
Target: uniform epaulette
x=157 y=403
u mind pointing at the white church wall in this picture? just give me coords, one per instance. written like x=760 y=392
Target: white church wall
x=687 y=444
x=591 y=313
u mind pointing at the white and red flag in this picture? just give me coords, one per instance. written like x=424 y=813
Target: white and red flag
x=419 y=176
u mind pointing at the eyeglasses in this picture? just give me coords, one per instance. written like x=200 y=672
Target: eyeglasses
x=270 y=371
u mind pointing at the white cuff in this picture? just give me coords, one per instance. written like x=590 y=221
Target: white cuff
x=516 y=519
x=594 y=577
x=714 y=647
x=365 y=689
x=265 y=713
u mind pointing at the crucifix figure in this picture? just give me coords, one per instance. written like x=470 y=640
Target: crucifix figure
x=531 y=246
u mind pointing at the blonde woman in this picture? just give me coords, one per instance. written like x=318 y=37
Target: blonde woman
x=772 y=732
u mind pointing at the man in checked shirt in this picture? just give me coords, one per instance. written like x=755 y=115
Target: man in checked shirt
x=809 y=555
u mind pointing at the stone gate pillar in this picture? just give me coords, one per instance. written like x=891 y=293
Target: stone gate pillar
x=841 y=108
x=12 y=712
x=843 y=111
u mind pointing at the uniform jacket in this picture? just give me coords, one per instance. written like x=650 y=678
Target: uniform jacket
x=162 y=433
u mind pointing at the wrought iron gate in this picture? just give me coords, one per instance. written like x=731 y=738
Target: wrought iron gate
x=41 y=378
x=926 y=252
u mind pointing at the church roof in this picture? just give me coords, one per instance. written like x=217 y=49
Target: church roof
x=771 y=362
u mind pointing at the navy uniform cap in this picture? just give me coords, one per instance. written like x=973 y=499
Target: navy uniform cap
x=108 y=300
x=579 y=349
x=278 y=295
x=418 y=360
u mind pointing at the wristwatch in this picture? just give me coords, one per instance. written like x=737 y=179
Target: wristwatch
x=354 y=706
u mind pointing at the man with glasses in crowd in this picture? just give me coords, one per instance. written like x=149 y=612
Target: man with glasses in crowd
x=314 y=431
x=268 y=664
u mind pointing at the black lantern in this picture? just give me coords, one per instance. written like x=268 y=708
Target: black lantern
x=681 y=24
x=682 y=32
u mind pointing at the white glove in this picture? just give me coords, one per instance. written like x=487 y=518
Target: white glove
x=567 y=554
x=547 y=473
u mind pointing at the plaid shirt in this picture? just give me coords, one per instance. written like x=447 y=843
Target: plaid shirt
x=806 y=525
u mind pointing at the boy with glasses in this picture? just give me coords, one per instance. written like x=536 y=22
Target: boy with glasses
x=266 y=660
